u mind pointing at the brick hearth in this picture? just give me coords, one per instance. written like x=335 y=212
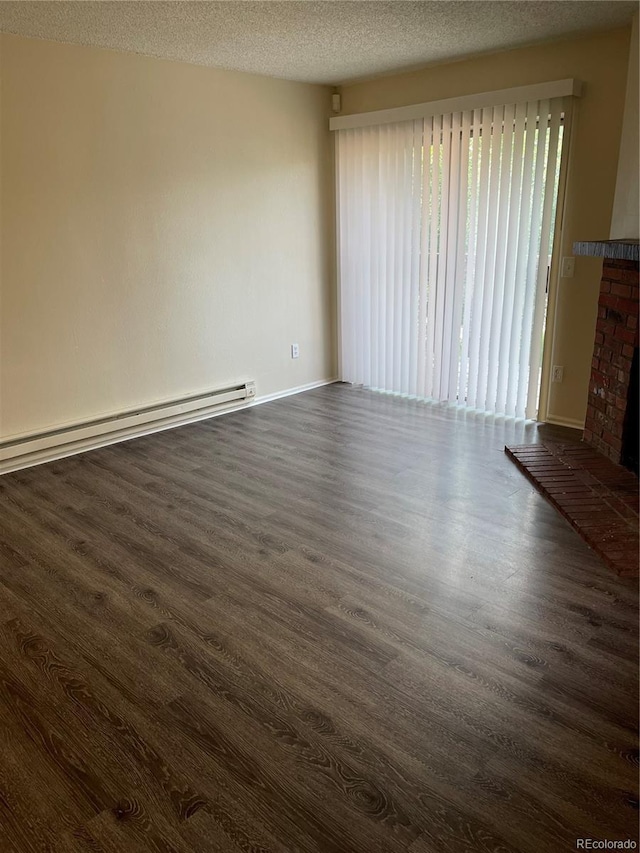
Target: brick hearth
x=599 y=499
x=615 y=340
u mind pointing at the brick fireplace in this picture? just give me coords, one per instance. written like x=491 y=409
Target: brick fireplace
x=611 y=425
x=589 y=485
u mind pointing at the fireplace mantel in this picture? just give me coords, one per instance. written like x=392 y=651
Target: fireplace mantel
x=618 y=250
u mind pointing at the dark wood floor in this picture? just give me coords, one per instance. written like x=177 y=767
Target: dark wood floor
x=337 y=622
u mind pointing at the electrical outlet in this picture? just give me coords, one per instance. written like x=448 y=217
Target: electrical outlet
x=568 y=267
x=557 y=373
x=295 y=351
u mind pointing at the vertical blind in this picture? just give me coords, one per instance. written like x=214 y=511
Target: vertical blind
x=445 y=227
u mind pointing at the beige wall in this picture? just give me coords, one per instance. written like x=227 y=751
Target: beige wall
x=166 y=229
x=625 y=220
x=600 y=61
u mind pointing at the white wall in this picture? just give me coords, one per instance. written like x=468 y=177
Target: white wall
x=625 y=220
x=166 y=229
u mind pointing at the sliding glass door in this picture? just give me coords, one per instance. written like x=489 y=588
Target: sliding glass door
x=445 y=234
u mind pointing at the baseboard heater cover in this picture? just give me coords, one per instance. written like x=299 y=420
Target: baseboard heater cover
x=24 y=451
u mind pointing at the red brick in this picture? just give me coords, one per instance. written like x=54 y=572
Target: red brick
x=627 y=351
x=621 y=362
x=627 y=306
x=630 y=276
x=626 y=335
x=619 y=263
x=621 y=290
x=612 y=440
x=608 y=300
x=632 y=321
x=605 y=327
x=618 y=416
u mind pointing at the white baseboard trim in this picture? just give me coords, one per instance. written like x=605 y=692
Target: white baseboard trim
x=290 y=392
x=565 y=422
x=53 y=453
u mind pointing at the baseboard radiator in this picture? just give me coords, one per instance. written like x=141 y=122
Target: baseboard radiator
x=27 y=450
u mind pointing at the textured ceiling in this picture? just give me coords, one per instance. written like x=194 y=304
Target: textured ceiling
x=321 y=42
